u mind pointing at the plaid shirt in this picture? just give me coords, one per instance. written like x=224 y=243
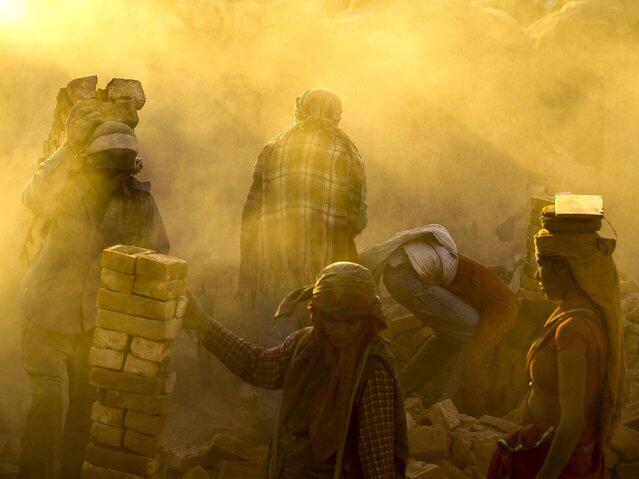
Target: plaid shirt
x=305 y=207
x=267 y=368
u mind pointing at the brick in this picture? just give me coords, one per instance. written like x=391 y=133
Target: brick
x=122 y=258
x=461 y=447
x=415 y=408
x=225 y=447
x=426 y=471
x=485 y=444
x=128 y=382
x=245 y=470
x=116 y=281
x=184 y=458
x=157 y=288
x=152 y=405
x=444 y=413
x=112 y=416
x=107 y=435
x=120 y=88
x=428 y=443
x=106 y=358
x=161 y=267
x=150 y=350
x=141 y=367
x=82 y=88
x=109 y=339
x=89 y=471
x=141 y=443
x=625 y=442
x=136 y=305
x=137 y=326
x=144 y=423
x=498 y=423
x=121 y=460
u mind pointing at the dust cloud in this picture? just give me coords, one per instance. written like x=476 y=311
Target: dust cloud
x=460 y=111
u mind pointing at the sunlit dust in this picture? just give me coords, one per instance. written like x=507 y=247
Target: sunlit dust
x=12 y=11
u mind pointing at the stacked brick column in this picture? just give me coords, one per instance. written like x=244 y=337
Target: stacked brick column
x=529 y=287
x=140 y=308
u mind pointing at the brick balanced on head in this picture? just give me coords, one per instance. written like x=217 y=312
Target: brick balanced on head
x=141 y=304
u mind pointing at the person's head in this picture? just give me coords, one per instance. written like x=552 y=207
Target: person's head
x=555 y=277
x=318 y=104
x=111 y=152
x=559 y=243
x=343 y=304
x=340 y=329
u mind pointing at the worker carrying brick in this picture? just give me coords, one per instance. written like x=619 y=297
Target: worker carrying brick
x=88 y=195
x=469 y=308
x=342 y=413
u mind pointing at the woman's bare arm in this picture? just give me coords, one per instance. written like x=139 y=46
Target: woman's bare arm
x=572 y=390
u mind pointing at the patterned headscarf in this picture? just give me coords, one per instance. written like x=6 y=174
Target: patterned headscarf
x=348 y=289
x=341 y=287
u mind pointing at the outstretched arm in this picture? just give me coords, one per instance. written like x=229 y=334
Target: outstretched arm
x=261 y=367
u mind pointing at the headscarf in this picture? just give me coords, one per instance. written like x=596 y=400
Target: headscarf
x=113 y=135
x=318 y=104
x=589 y=257
x=347 y=289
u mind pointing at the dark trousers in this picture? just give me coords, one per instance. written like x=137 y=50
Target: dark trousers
x=452 y=320
x=52 y=445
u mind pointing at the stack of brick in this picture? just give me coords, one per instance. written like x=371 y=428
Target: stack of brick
x=529 y=287
x=119 y=100
x=141 y=303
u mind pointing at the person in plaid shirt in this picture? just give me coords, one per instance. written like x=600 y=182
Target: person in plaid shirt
x=342 y=413
x=306 y=204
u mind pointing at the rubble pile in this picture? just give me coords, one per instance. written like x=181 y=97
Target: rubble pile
x=444 y=443
x=119 y=101
x=224 y=457
x=141 y=303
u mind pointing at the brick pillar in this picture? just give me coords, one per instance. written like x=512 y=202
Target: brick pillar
x=529 y=287
x=141 y=303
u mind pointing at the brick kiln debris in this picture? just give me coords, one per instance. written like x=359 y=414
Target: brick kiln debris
x=119 y=101
x=141 y=304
